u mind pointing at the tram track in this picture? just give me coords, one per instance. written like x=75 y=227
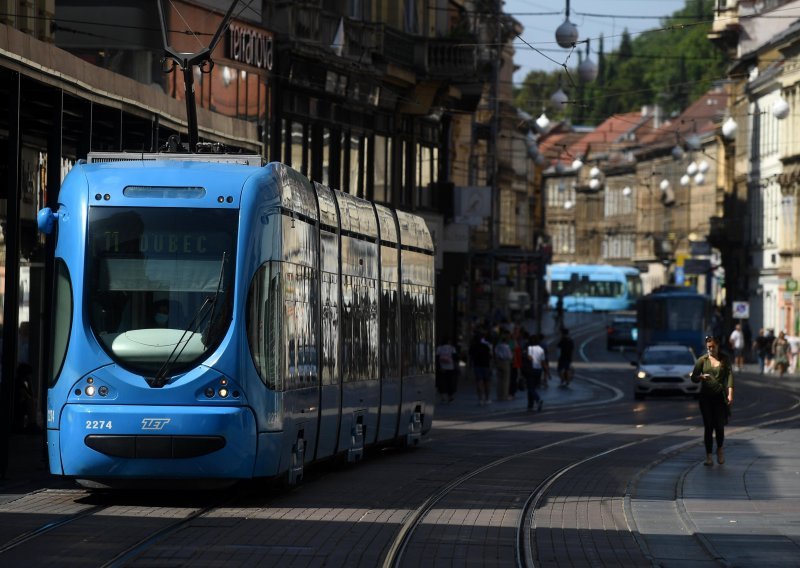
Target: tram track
x=94 y=519
x=525 y=547
x=626 y=423
x=49 y=526
x=410 y=529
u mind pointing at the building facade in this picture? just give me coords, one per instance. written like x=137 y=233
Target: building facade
x=404 y=103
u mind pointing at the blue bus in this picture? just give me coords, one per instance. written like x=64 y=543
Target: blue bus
x=593 y=287
x=674 y=315
x=216 y=320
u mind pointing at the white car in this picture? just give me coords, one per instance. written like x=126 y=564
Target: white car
x=665 y=369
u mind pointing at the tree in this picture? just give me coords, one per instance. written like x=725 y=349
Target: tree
x=671 y=65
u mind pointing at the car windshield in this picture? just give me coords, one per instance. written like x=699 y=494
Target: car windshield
x=159 y=288
x=667 y=357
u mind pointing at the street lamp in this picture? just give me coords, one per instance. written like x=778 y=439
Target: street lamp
x=567 y=32
x=543 y=122
x=729 y=128
x=587 y=70
x=780 y=108
x=559 y=98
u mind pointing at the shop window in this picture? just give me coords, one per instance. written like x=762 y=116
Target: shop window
x=326 y=156
x=252 y=98
x=298 y=148
x=424 y=175
x=355 y=179
x=222 y=95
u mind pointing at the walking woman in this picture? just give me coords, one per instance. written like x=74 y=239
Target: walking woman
x=713 y=371
x=781 y=351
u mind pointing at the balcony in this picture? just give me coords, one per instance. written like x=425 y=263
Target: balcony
x=373 y=42
x=449 y=59
x=307 y=23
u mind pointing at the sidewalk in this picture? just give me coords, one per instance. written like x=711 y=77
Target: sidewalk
x=581 y=391
x=745 y=512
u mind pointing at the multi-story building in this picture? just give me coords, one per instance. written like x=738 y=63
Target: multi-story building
x=375 y=99
x=641 y=190
x=760 y=217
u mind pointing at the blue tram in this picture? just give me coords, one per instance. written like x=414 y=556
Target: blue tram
x=215 y=319
x=674 y=315
x=593 y=287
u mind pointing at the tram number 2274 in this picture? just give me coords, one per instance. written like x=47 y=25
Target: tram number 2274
x=98 y=424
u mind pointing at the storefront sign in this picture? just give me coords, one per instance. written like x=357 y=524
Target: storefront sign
x=251 y=47
x=697 y=266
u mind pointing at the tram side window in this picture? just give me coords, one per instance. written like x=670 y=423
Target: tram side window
x=330 y=325
x=409 y=330
x=371 y=320
x=427 y=342
x=359 y=329
x=348 y=307
x=300 y=306
x=263 y=324
x=390 y=343
x=62 y=320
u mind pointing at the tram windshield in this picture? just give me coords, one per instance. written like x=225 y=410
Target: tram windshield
x=160 y=283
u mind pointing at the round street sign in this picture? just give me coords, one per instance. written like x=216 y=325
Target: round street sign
x=741 y=310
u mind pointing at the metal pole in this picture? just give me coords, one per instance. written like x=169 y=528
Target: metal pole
x=494 y=105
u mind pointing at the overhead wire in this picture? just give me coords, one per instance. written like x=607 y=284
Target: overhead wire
x=57 y=23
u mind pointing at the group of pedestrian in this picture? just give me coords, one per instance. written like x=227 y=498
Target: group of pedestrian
x=507 y=356
x=500 y=354
x=776 y=354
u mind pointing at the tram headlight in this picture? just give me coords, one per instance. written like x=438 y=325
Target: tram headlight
x=223 y=393
x=103 y=391
x=89 y=390
x=210 y=392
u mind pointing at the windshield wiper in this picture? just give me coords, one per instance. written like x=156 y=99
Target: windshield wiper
x=160 y=378
x=207 y=334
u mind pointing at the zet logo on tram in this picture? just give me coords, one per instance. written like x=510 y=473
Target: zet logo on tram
x=154 y=423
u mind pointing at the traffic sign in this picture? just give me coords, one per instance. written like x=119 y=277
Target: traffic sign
x=741 y=310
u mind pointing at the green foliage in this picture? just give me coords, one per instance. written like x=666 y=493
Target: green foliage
x=671 y=65
x=534 y=95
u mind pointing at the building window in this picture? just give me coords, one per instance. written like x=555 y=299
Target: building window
x=424 y=175
x=382 y=168
x=299 y=150
x=326 y=156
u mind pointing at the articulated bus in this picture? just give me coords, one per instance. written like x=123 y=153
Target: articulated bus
x=593 y=287
x=216 y=320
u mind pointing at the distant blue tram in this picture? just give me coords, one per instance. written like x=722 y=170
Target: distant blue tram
x=674 y=315
x=593 y=287
x=218 y=320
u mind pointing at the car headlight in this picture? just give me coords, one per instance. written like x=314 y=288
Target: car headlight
x=642 y=375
